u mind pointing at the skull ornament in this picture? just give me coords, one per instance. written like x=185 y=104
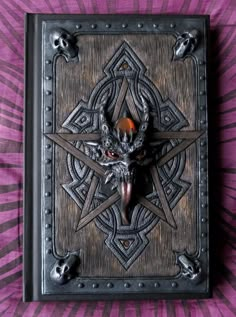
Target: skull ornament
x=191 y=269
x=186 y=43
x=64 y=43
x=64 y=269
x=122 y=149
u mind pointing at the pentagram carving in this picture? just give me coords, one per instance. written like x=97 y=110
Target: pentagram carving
x=159 y=185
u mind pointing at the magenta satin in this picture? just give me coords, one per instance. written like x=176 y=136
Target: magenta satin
x=222 y=115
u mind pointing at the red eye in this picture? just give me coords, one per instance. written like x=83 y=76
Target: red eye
x=111 y=154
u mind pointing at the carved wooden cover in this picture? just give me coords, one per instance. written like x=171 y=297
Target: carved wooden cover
x=120 y=131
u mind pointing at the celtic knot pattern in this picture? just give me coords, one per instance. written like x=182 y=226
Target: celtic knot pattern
x=161 y=186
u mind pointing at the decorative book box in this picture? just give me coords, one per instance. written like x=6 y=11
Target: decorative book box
x=116 y=173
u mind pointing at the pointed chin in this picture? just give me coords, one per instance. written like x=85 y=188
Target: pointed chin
x=126 y=192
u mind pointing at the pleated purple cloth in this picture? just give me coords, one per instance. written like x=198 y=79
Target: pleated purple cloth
x=222 y=115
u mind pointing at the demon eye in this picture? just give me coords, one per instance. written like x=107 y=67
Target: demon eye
x=141 y=154
x=111 y=154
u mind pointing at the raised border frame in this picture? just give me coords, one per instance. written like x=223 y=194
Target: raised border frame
x=38 y=118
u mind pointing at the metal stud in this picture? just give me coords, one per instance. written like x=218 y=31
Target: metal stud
x=201 y=62
x=47 y=211
x=203 y=156
x=48 y=77
x=48 y=239
x=126 y=285
x=47 y=177
x=47 y=161
x=141 y=285
x=93 y=26
x=80 y=285
x=48 y=61
x=48 y=123
x=204 y=235
x=48 y=92
x=109 y=285
x=155 y=25
x=49 y=251
x=47 y=194
x=202 y=77
x=78 y=26
x=48 y=108
x=204 y=250
x=95 y=285
x=202 y=107
x=202 y=92
x=108 y=26
x=140 y=25
x=203 y=143
x=174 y=284
x=47 y=226
x=203 y=206
x=48 y=146
x=156 y=285
x=124 y=25
x=172 y=25
x=204 y=220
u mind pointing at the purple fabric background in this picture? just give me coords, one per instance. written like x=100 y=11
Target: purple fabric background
x=223 y=138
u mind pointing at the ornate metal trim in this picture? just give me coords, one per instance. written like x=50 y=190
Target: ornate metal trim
x=79 y=25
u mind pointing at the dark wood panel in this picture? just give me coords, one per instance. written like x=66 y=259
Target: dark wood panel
x=174 y=80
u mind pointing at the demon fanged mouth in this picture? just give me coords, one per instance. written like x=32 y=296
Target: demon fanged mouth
x=123 y=148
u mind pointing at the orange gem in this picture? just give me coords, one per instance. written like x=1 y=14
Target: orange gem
x=125 y=125
x=124 y=66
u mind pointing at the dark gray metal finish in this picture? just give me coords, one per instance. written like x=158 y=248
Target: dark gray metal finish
x=41 y=259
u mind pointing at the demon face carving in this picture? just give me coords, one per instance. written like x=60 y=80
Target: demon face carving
x=122 y=148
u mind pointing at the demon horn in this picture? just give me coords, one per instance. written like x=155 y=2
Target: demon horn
x=103 y=121
x=145 y=117
x=140 y=137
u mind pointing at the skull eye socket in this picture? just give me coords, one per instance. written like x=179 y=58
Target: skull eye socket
x=64 y=36
x=56 y=42
x=111 y=154
x=185 y=42
x=141 y=154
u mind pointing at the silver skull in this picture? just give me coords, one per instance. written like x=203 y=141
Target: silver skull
x=191 y=269
x=64 y=269
x=185 y=44
x=64 y=43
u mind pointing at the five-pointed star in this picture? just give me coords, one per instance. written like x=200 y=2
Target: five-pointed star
x=64 y=139
x=188 y=137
